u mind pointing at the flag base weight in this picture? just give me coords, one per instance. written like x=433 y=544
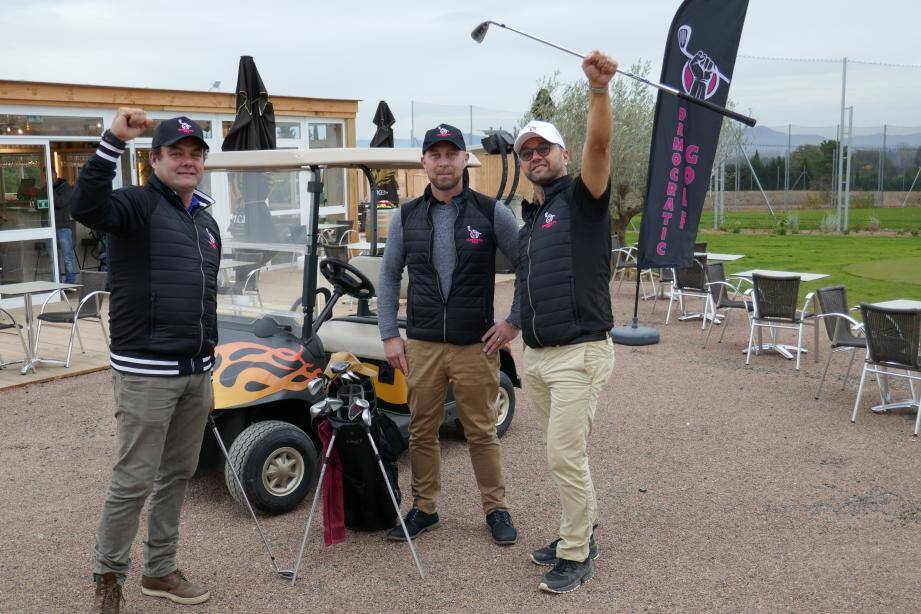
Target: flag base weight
x=635 y=334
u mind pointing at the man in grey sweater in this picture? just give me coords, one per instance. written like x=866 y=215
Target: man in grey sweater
x=447 y=240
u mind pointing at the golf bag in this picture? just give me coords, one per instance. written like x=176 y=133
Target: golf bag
x=367 y=503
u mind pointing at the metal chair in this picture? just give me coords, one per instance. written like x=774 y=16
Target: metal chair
x=724 y=296
x=893 y=342
x=89 y=307
x=840 y=327
x=774 y=307
x=8 y=322
x=624 y=259
x=690 y=282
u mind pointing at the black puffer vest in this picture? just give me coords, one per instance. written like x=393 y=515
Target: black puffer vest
x=564 y=270
x=464 y=316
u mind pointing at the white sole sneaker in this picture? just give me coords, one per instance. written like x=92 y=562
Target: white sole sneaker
x=176 y=598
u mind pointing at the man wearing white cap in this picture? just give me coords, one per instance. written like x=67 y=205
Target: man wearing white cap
x=563 y=275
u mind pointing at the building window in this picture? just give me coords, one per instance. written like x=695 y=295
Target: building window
x=24 y=199
x=204 y=123
x=49 y=125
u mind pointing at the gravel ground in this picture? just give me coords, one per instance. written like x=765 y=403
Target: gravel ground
x=721 y=488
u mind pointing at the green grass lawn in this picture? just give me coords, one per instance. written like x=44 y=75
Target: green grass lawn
x=873 y=268
x=890 y=218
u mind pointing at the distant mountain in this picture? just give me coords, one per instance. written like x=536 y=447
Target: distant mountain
x=772 y=142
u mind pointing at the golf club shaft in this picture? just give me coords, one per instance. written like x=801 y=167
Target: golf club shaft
x=396 y=506
x=236 y=478
x=313 y=507
x=748 y=121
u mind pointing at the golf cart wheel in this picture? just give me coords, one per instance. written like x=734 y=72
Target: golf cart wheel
x=276 y=462
x=505 y=406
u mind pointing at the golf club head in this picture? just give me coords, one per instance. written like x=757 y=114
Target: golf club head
x=479 y=32
x=315 y=386
x=356 y=408
x=286 y=574
x=334 y=406
x=349 y=376
x=339 y=367
x=366 y=417
x=319 y=409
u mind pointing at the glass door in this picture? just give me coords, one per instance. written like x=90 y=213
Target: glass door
x=27 y=241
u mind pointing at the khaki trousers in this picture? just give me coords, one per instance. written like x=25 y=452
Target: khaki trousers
x=474 y=377
x=564 y=383
x=160 y=425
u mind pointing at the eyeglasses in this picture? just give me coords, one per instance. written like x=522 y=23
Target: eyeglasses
x=543 y=149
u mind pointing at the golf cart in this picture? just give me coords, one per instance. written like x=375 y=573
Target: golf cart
x=274 y=337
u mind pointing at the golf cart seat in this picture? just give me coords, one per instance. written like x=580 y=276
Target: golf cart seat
x=359 y=338
x=359 y=334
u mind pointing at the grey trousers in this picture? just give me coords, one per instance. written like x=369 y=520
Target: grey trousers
x=160 y=425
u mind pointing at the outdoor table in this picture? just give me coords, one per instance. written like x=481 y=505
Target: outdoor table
x=26 y=290
x=717 y=257
x=780 y=348
x=885 y=397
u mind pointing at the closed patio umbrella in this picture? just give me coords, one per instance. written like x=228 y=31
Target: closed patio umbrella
x=253 y=128
x=385 y=180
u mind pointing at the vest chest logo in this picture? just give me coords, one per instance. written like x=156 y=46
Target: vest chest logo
x=549 y=220
x=475 y=236
x=211 y=239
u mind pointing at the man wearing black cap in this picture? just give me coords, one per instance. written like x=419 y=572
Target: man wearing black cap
x=164 y=253
x=447 y=240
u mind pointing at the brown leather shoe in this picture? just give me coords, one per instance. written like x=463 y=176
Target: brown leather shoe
x=109 y=598
x=176 y=588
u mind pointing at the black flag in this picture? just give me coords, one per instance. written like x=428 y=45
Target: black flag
x=700 y=56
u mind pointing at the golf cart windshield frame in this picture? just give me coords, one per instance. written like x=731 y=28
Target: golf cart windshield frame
x=364 y=159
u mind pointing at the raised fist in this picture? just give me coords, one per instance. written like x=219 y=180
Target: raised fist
x=130 y=123
x=599 y=68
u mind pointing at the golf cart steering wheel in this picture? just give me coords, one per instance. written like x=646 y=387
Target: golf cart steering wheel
x=346 y=279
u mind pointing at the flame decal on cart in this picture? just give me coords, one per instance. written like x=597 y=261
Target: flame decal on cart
x=246 y=372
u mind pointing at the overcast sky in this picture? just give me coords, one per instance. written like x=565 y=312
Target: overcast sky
x=422 y=51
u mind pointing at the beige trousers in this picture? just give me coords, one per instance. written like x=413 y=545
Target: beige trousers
x=474 y=377
x=564 y=383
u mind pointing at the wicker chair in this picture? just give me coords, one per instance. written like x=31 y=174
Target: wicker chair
x=774 y=307
x=840 y=327
x=893 y=342
x=690 y=282
x=89 y=307
x=724 y=296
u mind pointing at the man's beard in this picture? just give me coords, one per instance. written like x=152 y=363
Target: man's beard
x=446 y=184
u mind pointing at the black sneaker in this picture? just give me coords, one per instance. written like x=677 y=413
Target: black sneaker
x=500 y=524
x=547 y=555
x=417 y=522
x=566 y=576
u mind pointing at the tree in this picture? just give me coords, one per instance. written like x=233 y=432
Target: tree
x=632 y=105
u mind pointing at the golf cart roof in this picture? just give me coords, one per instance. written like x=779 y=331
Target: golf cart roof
x=343 y=157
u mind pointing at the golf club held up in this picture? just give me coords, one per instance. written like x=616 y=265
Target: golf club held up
x=479 y=33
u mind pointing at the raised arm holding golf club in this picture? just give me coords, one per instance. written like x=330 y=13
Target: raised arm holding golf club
x=563 y=276
x=164 y=253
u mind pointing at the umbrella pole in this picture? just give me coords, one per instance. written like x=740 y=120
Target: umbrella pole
x=309 y=297
x=372 y=212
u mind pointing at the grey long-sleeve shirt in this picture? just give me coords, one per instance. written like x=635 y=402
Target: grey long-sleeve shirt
x=444 y=215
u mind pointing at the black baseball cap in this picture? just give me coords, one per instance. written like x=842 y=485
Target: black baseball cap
x=444 y=132
x=171 y=131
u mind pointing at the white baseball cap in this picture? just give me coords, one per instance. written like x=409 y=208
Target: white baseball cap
x=544 y=130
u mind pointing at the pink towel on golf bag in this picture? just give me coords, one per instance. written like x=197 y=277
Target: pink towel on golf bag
x=333 y=506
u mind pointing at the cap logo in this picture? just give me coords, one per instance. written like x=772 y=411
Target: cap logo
x=475 y=236
x=185 y=127
x=442 y=131
x=549 y=220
